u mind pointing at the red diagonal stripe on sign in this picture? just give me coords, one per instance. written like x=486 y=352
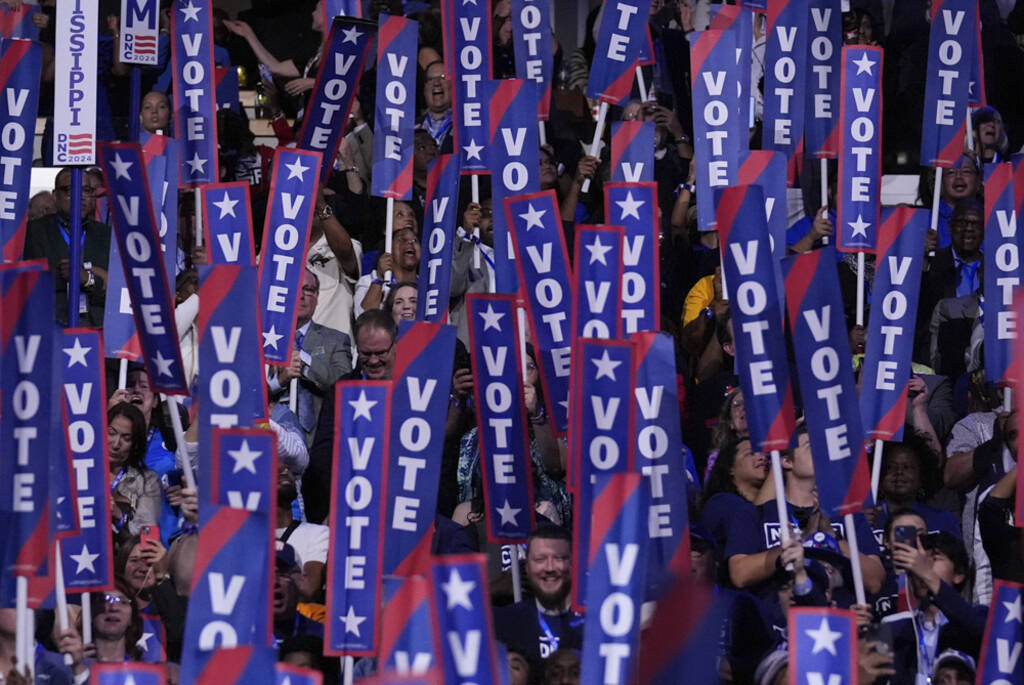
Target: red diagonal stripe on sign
x=403 y=182
x=221 y=527
x=216 y=287
x=13 y=247
x=782 y=427
x=680 y=613
x=623 y=138
x=412 y=345
x=225 y=666
x=728 y=207
x=418 y=560
x=699 y=52
x=892 y=421
x=131 y=350
x=388 y=31
x=14 y=51
x=33 y=552
x=619 y=89
x=954 y=148
x=726 y=18
x=13 y=303
x=606 y=508
x=504 y=94
x=798 y=281
x=860 y=484
x=754 y=165
x=411 y=595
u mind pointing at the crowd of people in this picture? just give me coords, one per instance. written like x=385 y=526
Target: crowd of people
x=940 y=533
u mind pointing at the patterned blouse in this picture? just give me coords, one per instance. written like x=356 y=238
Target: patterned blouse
x=545 y=488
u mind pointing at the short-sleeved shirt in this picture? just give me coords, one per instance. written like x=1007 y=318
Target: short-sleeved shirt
x=770 y=533
x=733 y=523
x=525 y=626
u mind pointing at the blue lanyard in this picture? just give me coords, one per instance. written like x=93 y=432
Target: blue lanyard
x=546 y=629
x=475 y=239
x=67 y=237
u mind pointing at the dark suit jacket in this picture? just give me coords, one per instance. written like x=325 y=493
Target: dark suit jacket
x=45 y=240
x=330 y=355
x=316 y=481
x=938 y=283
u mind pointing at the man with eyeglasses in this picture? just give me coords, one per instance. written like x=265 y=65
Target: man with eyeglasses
x=376 y=335
x=950 y=285
x=49 y=238
x=437 y=94
x=962 y=181
x=320 y=357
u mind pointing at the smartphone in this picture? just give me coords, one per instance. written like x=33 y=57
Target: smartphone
x=172 y=478
x=906 y=535
x=149 y=533
x=880 y=633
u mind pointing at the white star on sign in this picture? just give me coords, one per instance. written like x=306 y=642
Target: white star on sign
x=468 y=2
x=629 y=206
x=824 y=638
x=1013 y=611
x=507 y=513
x=533 y=216
x=85 y=560
x=491 y=318
x=226 y=206
x=163 y=365
x=76 y=354
x=271 y=337
x=457 y=590
x=363 y=406
x=472 y=150
x=296 y=170
x=197 y=164
x=143 y=642
x=597 y=251
x=191 y=12
x=352 y=621
x=864 y=64
x=351 y=35
x=129 y=680
x=245 y=458
x=605 y=366
x=859 y=227
x=120 y=167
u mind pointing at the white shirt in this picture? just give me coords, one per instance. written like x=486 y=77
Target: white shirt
x=334 y=304
x=310 y=541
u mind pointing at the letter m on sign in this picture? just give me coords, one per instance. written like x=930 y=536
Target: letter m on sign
x=139 y=12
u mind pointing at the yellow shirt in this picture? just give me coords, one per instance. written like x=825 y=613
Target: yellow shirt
x=701 y=295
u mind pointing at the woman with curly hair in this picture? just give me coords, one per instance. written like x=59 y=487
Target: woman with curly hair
x=135 y=489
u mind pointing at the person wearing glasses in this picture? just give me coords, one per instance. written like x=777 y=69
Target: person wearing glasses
x=320 y=356
x=49 y=238
x=376 y=335
x=437 y=98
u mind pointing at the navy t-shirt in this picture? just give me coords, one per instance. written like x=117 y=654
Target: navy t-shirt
x=524 y=626
x=733 y=523
x=771 y=530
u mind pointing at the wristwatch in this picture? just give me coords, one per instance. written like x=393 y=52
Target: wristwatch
x=90 y=279
x=324 y=212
